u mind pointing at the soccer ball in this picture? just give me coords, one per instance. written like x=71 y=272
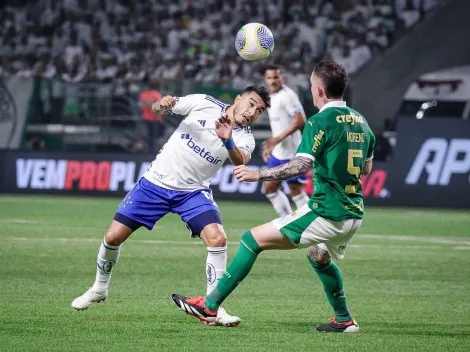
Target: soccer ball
x=254 y=41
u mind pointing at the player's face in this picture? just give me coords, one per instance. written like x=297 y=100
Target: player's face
x=274 y=80
x=248 y=108
x=318 y=93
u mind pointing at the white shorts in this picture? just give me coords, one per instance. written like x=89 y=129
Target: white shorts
x=306 y=228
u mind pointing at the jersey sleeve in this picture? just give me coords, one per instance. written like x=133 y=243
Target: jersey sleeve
x=370 y=151
x=294 y=106
x=185 y=104
x=313 y=141
x=247 y=143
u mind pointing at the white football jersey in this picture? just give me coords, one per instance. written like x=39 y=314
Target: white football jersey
x=193 y=154
x=284 y=105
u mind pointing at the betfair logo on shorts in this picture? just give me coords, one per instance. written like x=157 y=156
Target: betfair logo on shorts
x=317 y=140
x=202 y=152
x=352 y=119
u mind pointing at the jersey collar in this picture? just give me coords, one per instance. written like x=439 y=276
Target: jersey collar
x=334 y=104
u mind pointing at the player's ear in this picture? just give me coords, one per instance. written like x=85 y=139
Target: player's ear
x=237 y=99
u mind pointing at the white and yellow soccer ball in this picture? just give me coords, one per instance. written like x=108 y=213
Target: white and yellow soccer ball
x=254 y=41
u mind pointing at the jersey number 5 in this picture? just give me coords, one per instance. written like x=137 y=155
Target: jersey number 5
x=354 y=170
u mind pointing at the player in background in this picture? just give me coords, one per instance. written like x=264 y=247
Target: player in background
x=339 y=144
x=287 y=119
x=178 y=181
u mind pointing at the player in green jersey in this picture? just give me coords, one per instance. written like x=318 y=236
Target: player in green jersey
x=338 y=144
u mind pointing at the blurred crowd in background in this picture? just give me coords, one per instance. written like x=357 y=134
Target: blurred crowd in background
x=126 y=41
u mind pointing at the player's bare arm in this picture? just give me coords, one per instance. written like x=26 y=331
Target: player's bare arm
x=367 y=167
x=164 y=104
x=296 y=167
x=223 y=129
x=297 y=123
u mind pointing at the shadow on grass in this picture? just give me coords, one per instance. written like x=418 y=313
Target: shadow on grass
x=410 y=329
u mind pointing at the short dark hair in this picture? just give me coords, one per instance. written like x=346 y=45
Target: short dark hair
x=271 y=67
x=262 y=91
x=333 y=76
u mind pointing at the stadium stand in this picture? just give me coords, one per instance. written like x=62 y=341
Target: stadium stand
x=127 y=42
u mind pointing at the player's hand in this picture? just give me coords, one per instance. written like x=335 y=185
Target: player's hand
x=245 y=174
x=270 y=143
x=265 y=155
x=164 y=104
x=268 y=146
x=223 y=128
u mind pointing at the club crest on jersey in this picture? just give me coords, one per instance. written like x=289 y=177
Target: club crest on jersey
x=201 y=151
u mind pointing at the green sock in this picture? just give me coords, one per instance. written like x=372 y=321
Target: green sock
x=237 y=270
x=332 y=281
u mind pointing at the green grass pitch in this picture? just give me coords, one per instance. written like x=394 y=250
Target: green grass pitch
x=407 y=278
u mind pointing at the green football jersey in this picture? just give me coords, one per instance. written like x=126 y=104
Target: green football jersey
x=339 y=141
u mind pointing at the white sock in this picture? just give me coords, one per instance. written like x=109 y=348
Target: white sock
x=107 y=258
x=280 y=203
x=300 y=199
x=215 y=266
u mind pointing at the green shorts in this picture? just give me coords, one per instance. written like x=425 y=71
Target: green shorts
x=305 y=228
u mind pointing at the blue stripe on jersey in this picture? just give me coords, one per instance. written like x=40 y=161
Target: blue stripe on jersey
x=215 y=101
x=246 y=128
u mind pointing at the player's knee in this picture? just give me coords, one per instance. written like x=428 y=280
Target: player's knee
x=318 y=254
x=270 y=187
x=113 y=238
x=295 y=189
x=249 y=241
x=216 y=239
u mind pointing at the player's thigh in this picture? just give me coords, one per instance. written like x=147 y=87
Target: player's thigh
x=269 y=237
x=338 y=244
x=271 y=186
x=306 y=228
x=144 y=205
x=198 y=210
x=296 y=225
x=117 y=233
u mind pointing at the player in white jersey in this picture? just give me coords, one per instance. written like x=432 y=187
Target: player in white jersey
x=287 y=118
x=178 y=181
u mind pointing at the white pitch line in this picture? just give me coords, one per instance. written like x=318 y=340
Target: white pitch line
x=423 y=238
x=197 y=243
x=18 y=221
x=427 y=239
x=63 y=239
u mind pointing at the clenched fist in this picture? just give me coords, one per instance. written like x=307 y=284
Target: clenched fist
x=164 y=104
